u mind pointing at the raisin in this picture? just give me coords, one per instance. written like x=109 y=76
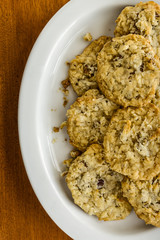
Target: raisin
x=142 y=67
x=86 y=69
x=100 y=183
x=84 y=163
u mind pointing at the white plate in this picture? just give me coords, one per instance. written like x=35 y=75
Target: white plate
x=60 y=41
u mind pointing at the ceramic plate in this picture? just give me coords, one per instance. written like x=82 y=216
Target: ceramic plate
x=41 y=108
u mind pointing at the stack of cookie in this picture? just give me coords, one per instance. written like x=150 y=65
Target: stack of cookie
x=115 y=121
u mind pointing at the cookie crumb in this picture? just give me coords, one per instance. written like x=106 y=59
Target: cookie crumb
x=65 y=101
x=64 y=91
x=53 y=110
x=67 y=63
x=63 y=124
x=65 y=83
x=55 y=129
x=87 y=37
x=54 y=140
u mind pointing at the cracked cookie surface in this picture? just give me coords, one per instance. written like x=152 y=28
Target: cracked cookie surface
x=132 y=142
x=95 y=187
x=128 y=70
x=83 y=69
x=144 y=196
x=142 y=19
x=88 y=118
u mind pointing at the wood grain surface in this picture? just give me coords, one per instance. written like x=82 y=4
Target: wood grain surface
x=21 y=215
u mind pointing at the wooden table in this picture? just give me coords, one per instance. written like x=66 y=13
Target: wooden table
x=21 y=215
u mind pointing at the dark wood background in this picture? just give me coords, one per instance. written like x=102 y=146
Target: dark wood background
x=21 y=215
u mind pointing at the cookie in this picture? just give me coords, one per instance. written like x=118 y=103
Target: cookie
x=95 y=187
x=128 y=71
x=83 y=69
x=144 y=196
x=132 y=142
x=142 y=19
x=88 y=118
